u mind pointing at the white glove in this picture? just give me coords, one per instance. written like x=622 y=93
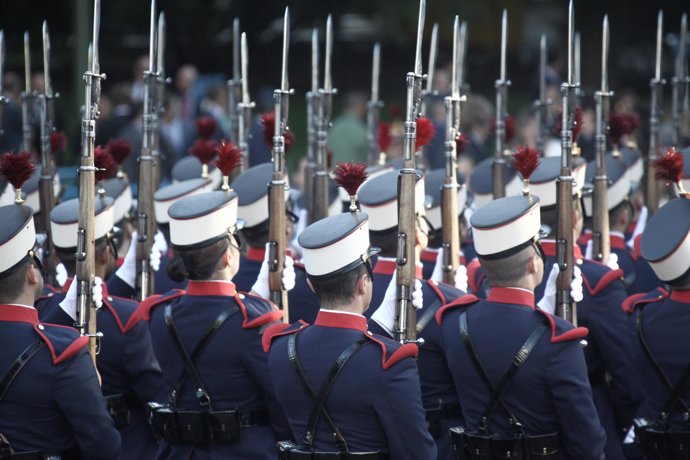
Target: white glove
x=639 y=226
x=69 y=303
x=548 y=302
x=128 y=270
x=385 y=313
x=612 y=261
x=460 y=280
x=61 y=274
x=261 y=286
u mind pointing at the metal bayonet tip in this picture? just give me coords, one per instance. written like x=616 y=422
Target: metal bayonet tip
x=420 y=30
x=328 y=52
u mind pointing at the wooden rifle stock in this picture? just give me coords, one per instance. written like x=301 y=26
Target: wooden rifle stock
x=405 y=279
x=276 y=236
x=46 y=193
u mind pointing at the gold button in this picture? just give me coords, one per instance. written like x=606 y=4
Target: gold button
x=241 y=296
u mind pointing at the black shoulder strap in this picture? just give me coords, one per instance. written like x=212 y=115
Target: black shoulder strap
x=320 y=399
x=428 y=315
x=19 y=363
x=674 y=390
x=498 y=391
x=190 y=370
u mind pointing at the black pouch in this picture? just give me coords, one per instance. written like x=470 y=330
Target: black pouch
x=458 y=441
x=652 y=442
x=543 y=447
x=478 y=446
x=511 y=448
x=224 y=426
x=162 y=421
x=118 y=410
x=434 y=417
x=191 y=427
x=678 y=444
x=288 y=450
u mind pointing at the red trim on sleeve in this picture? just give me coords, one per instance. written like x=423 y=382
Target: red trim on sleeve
x=406 y=351
x=628 y=305
x=278 y=330
x=259 y=321
x=463 y=301
x=472 y=269
x=636 y=246
x=79 y=343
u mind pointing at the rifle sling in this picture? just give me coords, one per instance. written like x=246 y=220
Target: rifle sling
x=17 y=366
x=320 y=399
x=190 y=370
x=428 y=315
x=498 y=391
x=673 y=390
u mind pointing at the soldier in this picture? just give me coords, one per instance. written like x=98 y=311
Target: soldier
x=50 y=401
x=542 y=403
x=378 y=198
x=130 y=373
x=368 y=385
x=208 y=342
x=251 y=188
x=659 y=324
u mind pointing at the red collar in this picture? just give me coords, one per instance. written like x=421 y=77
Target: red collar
x=549 y=247
x=17 y=314
x=429 y=255
x=206 y=288
x=618 y=242
x=341 y=320
x=255 y=254
x=511 y=295
x=681 y=296
x=388 y=266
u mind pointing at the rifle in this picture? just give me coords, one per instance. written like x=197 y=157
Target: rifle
x=320 y=178
x=313 y=103
x=679 y=82
x=245 y=109
x=565 y=307
x=235 y=84
x=147 y=162
x=657 y=86
x=158 y=95
x=406 y=314
x=27 y=98
x=86 y=256
x=374 y=106
x=278 y=184
x=502 y=84
x=464 y=87
x=3 y=99
x=449 y=190
x=541 y=104
x=601 y=243
x=45 y=186
x=428 y=93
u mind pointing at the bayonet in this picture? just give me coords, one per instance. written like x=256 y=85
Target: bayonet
x=373 y=107
x=235 y=84
x=245 y=108
x=657 y=87
x=27 y=98
x=502 y=84
x=679 y=82
x=3 y=99
x=429 y=92
x=313 y=103
x=541 y=104
x=464 y=87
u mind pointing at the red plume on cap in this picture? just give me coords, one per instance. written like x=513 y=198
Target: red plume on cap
x=104 y=163
x=229 y=157
x=669 y=167
x=58 y=142
x=16 y=168
x=351 y=176
x=461 y=142
x=204 y=150
x=621 y=124
x=206 y=127
x=383 y=136
x=425 y=131
x=268 y=120
x=119 y=149
x=526 y=161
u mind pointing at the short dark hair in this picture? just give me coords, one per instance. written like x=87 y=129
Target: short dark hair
x=507 y=271
x=386 y=240
x=338 y=290
x=256 y=236
x=12 y=285
x=196 y=264
x=682 y=282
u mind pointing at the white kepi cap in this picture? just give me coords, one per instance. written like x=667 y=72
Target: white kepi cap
x=202 y=219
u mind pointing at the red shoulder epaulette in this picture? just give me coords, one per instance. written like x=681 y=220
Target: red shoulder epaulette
x=604 y=281
x=278 y=330
x=143 y=311
x=264 y=318
x=634 y=300
x=118 y=314
x=474 y=280
x=575 y=333
x=63 y=342
x=463 y=301
x=406 y=351
x=636 y=246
